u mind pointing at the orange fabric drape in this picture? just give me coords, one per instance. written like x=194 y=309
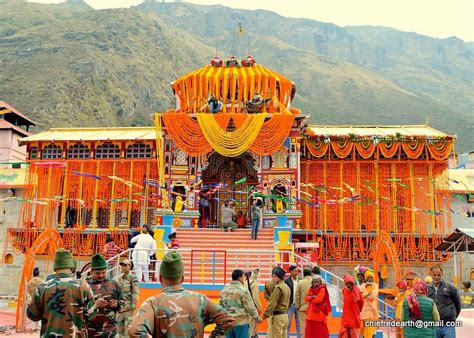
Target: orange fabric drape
x=342 y=148
x=365 y=148
x=413 y=148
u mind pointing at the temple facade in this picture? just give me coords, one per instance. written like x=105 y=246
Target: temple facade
x=363 y=193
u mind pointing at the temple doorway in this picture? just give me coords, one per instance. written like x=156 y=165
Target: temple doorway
x=234 y=177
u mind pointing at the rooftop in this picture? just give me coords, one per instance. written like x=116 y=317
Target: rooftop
x=368 y=130
x=14 y=116
x=461 y=180
x=93 y=134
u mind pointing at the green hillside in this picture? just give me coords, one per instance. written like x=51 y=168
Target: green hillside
x=70 y=65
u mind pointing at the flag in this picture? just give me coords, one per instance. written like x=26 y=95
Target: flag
x=242 y=180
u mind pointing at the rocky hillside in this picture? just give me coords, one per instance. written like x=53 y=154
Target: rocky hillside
x=69 y=64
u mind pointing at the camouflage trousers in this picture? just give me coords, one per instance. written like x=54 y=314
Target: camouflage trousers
x=124 y=319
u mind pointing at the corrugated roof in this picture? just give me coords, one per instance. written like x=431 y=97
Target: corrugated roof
x=461 y=180
x=461 y=240
x=12 y=178
x=93 y=134
x=368 y=130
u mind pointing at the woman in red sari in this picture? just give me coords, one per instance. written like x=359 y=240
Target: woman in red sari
x=318 y=309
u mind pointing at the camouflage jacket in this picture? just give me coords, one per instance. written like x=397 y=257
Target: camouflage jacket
x=64 y=305
x=238 y=302
x=179 y=313
x=104 y=324
x=129 y=286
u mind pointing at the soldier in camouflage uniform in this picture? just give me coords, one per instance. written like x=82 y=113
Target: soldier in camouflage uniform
x=238 y=302
x=64 y=305
x=129 y=285
x=177 y=312
x=108 y=299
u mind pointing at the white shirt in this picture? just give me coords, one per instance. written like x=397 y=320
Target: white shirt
x=146 y=242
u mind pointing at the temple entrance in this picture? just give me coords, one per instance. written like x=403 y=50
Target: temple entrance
x=228 y=178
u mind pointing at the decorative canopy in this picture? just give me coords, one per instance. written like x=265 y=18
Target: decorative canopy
x=254 y=100
x=233 y=82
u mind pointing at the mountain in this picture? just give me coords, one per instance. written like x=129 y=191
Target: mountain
x=70 y=65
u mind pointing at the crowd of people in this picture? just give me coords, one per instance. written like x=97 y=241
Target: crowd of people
x=102 y=307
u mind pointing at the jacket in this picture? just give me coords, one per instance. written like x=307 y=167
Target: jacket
x=447 y=300
x=301 y=290
x=279 y=301
x=289 y=281
x=428 y=313
x=237 y=301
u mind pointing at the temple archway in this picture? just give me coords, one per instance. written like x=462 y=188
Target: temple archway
x=227 y=171
x=46 y=243
x=385 y=252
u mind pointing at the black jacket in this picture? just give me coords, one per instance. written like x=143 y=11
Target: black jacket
x=289 y=282
x=447 y=300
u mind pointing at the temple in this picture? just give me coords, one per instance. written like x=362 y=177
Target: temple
x=362 y=193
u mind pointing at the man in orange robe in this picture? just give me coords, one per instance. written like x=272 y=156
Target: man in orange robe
x=353 y=303
x=370 y=292
x=319 y=307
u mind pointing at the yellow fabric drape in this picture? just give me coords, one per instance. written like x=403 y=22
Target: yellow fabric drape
x=234 y=143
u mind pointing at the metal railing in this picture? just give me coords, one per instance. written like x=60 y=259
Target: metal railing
x=207 y=266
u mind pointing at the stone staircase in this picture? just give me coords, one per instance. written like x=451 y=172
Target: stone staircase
x=215 y=253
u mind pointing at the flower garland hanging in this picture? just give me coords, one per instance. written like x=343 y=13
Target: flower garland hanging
x=234 y=143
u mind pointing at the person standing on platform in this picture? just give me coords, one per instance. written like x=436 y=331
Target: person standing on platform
x=417 y=306
x=145 y=248
x=467 y=296
x=64 y=305
x=256 y=216
x=238 y=302
x=291 y=281
x=319 y=308
x=353 y=303
x=108 y=299
x=177 y=312
x=129 y=285
x=278 y=306
x=370 y=292
x=302 y=288
x=447 y=300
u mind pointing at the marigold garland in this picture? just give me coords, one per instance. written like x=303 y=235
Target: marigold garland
x=365 y=148
x=342 y=148
x=234 y=143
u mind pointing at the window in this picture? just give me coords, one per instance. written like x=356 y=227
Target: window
x=51 y=152
x=279 y=160
x=33 y=153
x=138 y=150
x=78 y=151
x=180 y=158
x=107 y=150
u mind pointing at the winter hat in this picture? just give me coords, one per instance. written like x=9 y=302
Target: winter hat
x=63 y=259
x=279 y=272
x=98 y=262
x=172 y=266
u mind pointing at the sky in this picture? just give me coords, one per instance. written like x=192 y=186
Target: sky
x=435 y=18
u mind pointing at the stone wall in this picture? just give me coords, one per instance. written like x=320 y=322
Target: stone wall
x=10 y=274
